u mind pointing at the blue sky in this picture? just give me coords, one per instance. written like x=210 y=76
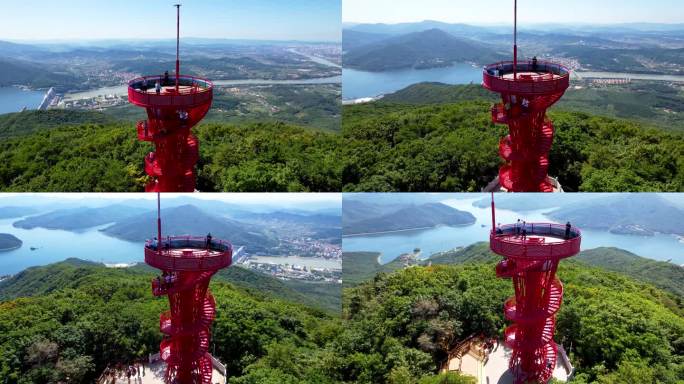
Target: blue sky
x=309 y=20
x=501 y=11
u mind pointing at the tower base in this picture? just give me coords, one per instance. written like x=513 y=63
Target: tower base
x=488 y=363
x=495 y=186
x=155 y=370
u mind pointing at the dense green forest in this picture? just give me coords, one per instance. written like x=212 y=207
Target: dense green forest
x=85 y=317
x=74 y=317
x=392 y=146
x=616 y=329
x=107 y=157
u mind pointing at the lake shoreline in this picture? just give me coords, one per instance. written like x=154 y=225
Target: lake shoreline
x=407 y=230
x=11 y=248
x=365 y=86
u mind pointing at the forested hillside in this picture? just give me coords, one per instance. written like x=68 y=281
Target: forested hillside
x=44 y=155
x=454 y=147
x=396 y=328
x=618 y=330
x=82 y=317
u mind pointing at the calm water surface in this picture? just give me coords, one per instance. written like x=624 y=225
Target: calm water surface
x=659 y=247
x=52 y=246
x=362 y=84
x=13 y=99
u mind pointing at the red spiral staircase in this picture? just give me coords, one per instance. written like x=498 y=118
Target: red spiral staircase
x=181 y=103
x=527 y=90
x=191 y=262
x=531 y=261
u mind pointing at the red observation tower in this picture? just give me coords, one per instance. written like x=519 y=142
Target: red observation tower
x=188 y=263
x=527 y=90
x=531 y=255
x=174 y=105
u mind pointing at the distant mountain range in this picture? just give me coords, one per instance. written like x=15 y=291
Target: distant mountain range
x=428 y=44
x=402 y=217
x=22 y=72
x=535 y=201
x=190 y=220
x=639 y=214
x=426 y=49
x=258 y=230
x=634 y=213
x=78 y=218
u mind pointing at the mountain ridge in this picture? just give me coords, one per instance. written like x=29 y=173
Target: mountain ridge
x=421 y=50
x=411 y=217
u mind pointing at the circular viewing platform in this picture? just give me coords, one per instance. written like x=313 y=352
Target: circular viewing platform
x=542 y=241
x=188 y=254
x=192 y=91
x=532 y=78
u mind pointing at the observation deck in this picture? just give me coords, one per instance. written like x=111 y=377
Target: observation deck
x=538 y=78
x=543 y=241
x=189 y=254
x=192 y=92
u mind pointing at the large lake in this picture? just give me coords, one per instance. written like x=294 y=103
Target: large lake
x=361 y=84
x=13 y=99
x=659 y=247
x=55 y=245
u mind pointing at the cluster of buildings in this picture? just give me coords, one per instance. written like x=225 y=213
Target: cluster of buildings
x=605 y=82
x=314 y=248
x=99 y=77
x=320 y=261
x=295 y=271
x=93 y=103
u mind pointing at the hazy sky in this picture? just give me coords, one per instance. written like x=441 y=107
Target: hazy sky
x=310 y=20
x=501 y=11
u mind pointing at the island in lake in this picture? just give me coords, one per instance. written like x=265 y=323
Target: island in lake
x=9 y=242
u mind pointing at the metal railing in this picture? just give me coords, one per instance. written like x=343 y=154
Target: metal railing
x=508 y=240
x=195 y=91
x=555 y=77
x=189 y=253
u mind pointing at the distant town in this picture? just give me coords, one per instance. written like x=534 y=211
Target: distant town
x=320 y=261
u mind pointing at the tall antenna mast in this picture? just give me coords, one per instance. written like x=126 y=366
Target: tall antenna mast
x=159 y=238
x=493 y=215
x=177 y=44
x=515 y=39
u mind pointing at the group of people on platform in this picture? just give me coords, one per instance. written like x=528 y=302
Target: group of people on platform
x=163 y=81
x=166 y=280
x=135 y=371
x=521 y=228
